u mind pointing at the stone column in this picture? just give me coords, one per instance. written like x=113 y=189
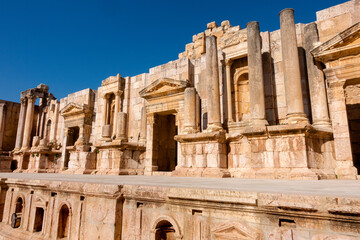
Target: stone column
x=116 y=110
x=190 y=110
x=228 y=63
x=319 y=105
x=198 y=113
x=28 y=121
x=256 y=77
x=143 y=125
x=64 y=150
x=121 y=126
x=21 y=124
x=2 y=122
x=212 y=88
x=290 y=60
x=55 y=123
x=105 y=109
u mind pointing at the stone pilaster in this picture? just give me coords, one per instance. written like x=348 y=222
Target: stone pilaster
x=190 y=110
x=256 y=77
x=21 y=124
x=28 y=121
x=151 y=161
x=228 y=63
x=291 y=65
x=212 y=86
x=143 y=125
x=2 y=122
x=319 y=105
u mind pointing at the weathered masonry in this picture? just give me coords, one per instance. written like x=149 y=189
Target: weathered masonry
x=42 y=209
x=237 y=103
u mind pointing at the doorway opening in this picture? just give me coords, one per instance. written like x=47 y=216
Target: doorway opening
x=352 y=94
x=165 y=231
x=64 y=221
x=39 y=218
x=165 y=146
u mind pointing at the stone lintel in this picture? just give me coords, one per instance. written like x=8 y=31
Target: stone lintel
x=218 y=136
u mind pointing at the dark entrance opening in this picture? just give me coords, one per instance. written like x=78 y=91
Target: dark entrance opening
x=164 y=231
x=39 y=218
x=73 y=135
x=63 y=225
x=352 y=94
x=165 y=147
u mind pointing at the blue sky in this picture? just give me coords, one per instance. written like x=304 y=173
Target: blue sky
x=73 y=45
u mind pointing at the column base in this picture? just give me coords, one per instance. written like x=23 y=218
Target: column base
x=214 y=127
x=294 y=118
x=259 y=122
x=322 y=123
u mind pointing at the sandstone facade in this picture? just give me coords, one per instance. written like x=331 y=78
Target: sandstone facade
x=237 y=103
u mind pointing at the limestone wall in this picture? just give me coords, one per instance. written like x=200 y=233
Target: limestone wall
x=11 y=117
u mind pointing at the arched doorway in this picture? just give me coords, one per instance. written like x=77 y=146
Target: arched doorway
x=164 y=231
x=64 y=222
x=17 y=215
x=165 y=228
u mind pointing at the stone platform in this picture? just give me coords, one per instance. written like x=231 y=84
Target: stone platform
x=338 y=188
x=53 y=206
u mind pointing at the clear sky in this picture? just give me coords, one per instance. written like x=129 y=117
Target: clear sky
x=73 y=45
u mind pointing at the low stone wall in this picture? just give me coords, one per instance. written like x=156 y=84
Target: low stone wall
x=100 y=211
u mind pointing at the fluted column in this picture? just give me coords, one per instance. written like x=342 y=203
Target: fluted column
x=228 y=63
x=28 y=121
x=21 y=124
x=256 y=77
x=212 y=88
x=319 y=105
x=2 y=122
x=291 y=65
x=190 y=110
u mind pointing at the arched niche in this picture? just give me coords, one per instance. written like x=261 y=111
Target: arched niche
x=242 y=95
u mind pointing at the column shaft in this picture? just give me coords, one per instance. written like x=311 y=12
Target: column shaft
x=28 y=122
x=212 y=89
x=190 y=110
x=116 y=110
x=121 y=126
x=256 y=77
x=319 y=105
x=143 y=124
x=290 y=59
x=228 y=64
x=21 y=124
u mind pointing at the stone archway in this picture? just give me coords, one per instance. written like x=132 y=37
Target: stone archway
x=165 y=228
x=64 y=221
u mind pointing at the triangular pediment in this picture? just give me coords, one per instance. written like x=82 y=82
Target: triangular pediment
x=235 y=231
x=164 y=87
x=343 y=44
x=73 y=109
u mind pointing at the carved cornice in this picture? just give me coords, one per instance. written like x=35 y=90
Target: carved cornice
x=339 y=46
x=164 y=87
